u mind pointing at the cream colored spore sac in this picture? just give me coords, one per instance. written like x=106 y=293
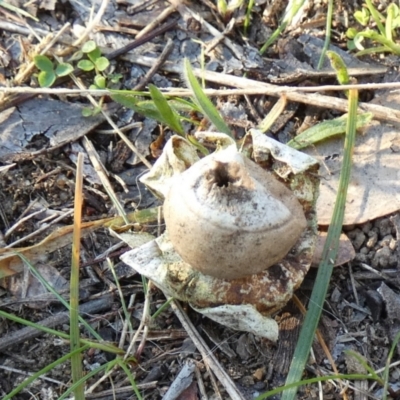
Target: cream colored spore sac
x=229 y=218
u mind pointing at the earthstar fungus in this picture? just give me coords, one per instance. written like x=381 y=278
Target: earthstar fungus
x=229 y=218
x=239 y=239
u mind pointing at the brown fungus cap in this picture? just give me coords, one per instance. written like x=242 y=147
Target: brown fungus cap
x=229 y=218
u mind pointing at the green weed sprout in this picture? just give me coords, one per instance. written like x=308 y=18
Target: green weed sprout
x=292 y=8
x=383 y=35
x=48 y=73
x=226 y=9
x=95 y=60
x=168 y=111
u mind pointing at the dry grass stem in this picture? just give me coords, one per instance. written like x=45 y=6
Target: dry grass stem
x=27 y=71
x=42 y=229
x=156 y=22
x=157 y=65
x=249 y=87
x=115 y=127
x=92 y=24
x=101 y=172
x=206 y=353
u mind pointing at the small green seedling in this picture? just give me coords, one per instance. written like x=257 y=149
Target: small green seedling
x=95 y=60
x=226 y=9
x=170 y=112
x=48 y=74
x=292 y=8
x=383 y=35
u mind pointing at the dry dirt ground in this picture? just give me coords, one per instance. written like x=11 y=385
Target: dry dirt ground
x=361 y=312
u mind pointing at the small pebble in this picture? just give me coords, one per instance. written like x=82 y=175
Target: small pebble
x=386 y=241
x=181 y=34
x=393 y=244
x=336 y=295
x=381 y=258
x=357 y=237
x=258 y=374
x=371 y=242
x=247 y=381
x=363 y=258
x=384 y=226
x=367 y=227
x=393 y=261
x=259 y=386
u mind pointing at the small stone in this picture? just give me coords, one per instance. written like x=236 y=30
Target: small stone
x=190 y=49
x=364 y=250
x=361 y=258
x=181 y=35
x=384 y=226
x=212 y=65
x=386 y=241
x=393 y=244
x=336 y=294
x=259 y=386
x=367 y=227
x=382 y=257
x=371 y=242
x=247 y=381
x=357 y=237
x=258 y=374
x=395 y=374
x=393 y=260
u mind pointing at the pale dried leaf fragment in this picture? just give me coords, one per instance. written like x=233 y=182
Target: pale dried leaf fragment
x=178 y=155
x=374 y=189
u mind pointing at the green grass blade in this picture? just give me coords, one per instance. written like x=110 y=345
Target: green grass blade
x=329 y=17
x=149 y=109
x=327 y=129
x=110 y=348
x=329 y=254
x=43 y=371
x=127 y=97
x=292 y=9
x=391 y=14
x=203 y=101
x=370 y=34
x=247 y=18
x=170 y=117
x=364 y=364
x=162 y=308
x=123 y=304
x=46 y=284
x=131 y=380
x=85 y=378
x=387 y=365
x=325 y=378
x=184 y=105
x=373 y=50
x=202 y=149
x=377 y=16
x=339 y=66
